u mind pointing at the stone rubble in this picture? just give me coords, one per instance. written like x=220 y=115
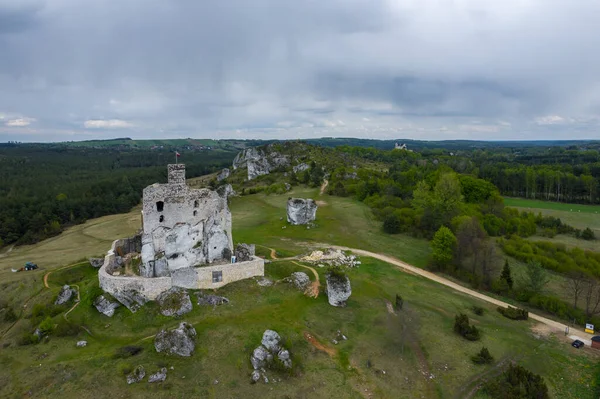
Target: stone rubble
x=96 y=262
x=332 y=257
x=81 y=344
x=136 y=375
x=210 y=300
x=105 y=306
x=264 y=282
x=299 y=279
x=244 y=252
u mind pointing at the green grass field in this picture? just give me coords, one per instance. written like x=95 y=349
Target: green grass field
x=425 y=359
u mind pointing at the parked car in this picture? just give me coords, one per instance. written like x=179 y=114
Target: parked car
x=577 y=344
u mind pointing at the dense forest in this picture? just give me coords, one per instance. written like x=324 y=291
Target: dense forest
x=44 y=188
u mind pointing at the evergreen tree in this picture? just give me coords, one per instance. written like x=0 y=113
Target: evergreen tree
x=506 y=275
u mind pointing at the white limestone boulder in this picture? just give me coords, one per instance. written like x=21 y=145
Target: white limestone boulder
x=301 y=211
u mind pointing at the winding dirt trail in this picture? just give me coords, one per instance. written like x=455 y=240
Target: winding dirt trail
x=324 y=186
x=558 y=327
x=313 y=289
x=315 y=342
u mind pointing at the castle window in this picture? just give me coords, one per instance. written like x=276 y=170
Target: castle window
x=195 y=213
x=159 y=206
x=161 y=219
x=217 y=277
x=196 y=204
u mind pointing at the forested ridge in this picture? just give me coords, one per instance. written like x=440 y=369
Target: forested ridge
x=44 y=188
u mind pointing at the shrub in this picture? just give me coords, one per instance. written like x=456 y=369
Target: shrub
x=128 y=351
x=483 y=357
x=588 y=234
x=517 y=383
x=28 y=339
x=392 y=224
x=514 y=313
x=463 y=328
x=65 y=328
x=478 y=310
x=47 y=326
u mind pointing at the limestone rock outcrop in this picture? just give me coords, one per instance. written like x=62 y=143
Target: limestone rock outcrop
x=299 y=279
x=301 y=211
x=300 y=167
x=223 y=174
x=210 y=300
x=159 y=376
x=65 y=295
x=105 y=306
x=338 y=289
x=260 y=162
x=81 y=344
x=267 y=353
x=180 y=341
x=136 y=375
x=132 y=299
x=174 y=302
x=244 y=252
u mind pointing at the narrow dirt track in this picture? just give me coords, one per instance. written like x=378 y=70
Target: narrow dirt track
x=555 y=325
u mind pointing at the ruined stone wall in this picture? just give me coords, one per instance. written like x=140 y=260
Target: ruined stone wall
x=149 y=288
x=191 y=278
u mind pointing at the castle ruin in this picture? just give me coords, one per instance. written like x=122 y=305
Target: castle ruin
x=186 y=242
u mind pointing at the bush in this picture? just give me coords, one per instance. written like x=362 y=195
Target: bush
x=478 y=310
x=47 y=326
x=588 y=234
x=65 y=328
x=463 y=328
x=28 y=339
x=514 y=313
x=483 y=357
x=399 y=302
x=392 y=224
x=517 y=383
x=128 y=351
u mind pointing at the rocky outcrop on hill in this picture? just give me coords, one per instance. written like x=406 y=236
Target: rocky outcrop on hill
x=65 y=295
x=226 y=191
x=136 y=375
x=223 y=174
x=174 y=302
x=130 y=298
x=180 y=341
x=105 y=306
x=338 y=289
x=96 y=262
x=299 y=279
x=300 y=167
x=301 y=211
x=260 y=162
x=266 y=354
x=244 y=252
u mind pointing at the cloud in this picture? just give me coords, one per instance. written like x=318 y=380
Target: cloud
x=19 y=122
x=288 y=68
x=107 y=124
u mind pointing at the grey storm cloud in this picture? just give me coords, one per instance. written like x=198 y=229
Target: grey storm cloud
x=73 y=69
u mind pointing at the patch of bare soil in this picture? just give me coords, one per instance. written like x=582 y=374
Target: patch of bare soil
x=315 y=342
x=321 y=203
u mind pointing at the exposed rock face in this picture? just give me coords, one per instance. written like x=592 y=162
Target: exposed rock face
x=174 y=302
x=265 y=282
x=226 y=191
x=301 y=167
x=210 y=300
x=223 y=174
x=105 y=306
x=65 y=295
x=81 y=344
x=159 y=376
x=180 y=341
x=96 y=262
x=338 y=289
x=299 y=279
x=333 y=257
x=301 y=211
x=136 y=375
x=244 y=252
x=268 y=352
x=260 y=162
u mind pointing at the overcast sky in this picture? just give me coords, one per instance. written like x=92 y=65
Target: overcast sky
x=421 y=69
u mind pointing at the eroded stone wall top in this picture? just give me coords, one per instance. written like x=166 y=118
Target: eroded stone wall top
x=176 y=173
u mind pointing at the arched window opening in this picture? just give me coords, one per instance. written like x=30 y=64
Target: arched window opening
x=160 y=206
x=196 y=204
x=161 y=218
x=195 y=213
